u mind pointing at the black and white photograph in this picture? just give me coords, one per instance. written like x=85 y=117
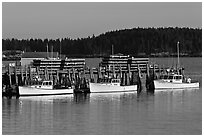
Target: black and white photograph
x=101 y=68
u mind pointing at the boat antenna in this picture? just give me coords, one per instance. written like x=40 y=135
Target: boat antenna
x=178 y=54
x=47 y=51
x=60 y=48
x=51 y=63
x=52 y=52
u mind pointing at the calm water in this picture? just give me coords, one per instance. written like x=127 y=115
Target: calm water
x=172 y=112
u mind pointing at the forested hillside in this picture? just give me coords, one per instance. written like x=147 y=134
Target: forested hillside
x=136 y=41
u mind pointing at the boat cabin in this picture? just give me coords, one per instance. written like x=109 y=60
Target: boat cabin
x=111 y=81
x=175 y=78
x=47 y=84
x=44 y=85
x=115 y=82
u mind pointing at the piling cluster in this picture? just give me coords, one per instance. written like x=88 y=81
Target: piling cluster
x=74 y=78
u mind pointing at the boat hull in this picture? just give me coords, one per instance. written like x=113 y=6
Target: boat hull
x=159 y=84
x=30 y=91
x=100 y=88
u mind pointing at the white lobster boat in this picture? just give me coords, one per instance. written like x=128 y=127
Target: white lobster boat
x=174 y=81
x=111 y=85
x=46 y=88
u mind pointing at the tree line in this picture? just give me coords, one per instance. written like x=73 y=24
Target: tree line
x=136 y=41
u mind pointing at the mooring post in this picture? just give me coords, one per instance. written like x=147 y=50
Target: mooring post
x=30 y=75
x=16 y=76
x=26 y=75
x=9 y=73
x=17 y=91
x=129 y=71
x=124 y=80
x=46 y=73
x=90 y=74
x=121 y=74
x=159 y=71
x=98 y=74
x=114 y=75
x=38 y=73
x=69 y=74
x=57 y=76
x=150 y=80
x=147 y=77
x=22 y=78
x=139 y=84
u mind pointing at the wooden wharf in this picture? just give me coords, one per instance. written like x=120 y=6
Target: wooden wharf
x=79 y=78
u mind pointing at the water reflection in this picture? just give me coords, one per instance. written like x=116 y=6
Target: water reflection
x=82 y=98
x=177 y=90
x=48 y=99
x=99 y=113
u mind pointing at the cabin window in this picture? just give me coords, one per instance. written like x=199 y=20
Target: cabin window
x=178 y=77
x=114 y=81
x=165 y=77
x=50 y=83
x=161 y=77
x=170 y=77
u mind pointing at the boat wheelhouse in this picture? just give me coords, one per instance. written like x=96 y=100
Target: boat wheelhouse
x=172 y=78
x=43 y=88
x=174 y=81
x=111 y=85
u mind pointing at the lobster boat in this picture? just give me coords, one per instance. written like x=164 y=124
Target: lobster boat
x=46 y=88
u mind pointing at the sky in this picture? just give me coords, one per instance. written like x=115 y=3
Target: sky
x=54 y=20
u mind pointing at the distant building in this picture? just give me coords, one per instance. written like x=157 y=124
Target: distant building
x=28 y=57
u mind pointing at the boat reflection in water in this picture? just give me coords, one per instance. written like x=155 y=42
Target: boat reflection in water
x=97 y=97
x=158 y=91
x=111 y=85
x=79 y=97
x=110 y=113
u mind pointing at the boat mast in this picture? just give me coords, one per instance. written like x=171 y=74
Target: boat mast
x=60 y=48
x=178 y=56
x=51 y=63
x=47 y=51
x=113 y=73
